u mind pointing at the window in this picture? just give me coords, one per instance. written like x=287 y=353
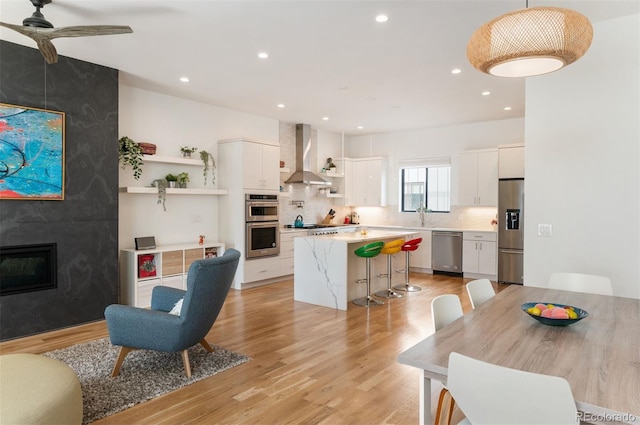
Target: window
x=435 y=176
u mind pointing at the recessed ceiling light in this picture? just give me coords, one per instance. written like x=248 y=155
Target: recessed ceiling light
x=263 y=55
x=184 y=79
x=456 y=71
x=382 y=18
x=325 y=118
x=507 y=108
x=486 y=93
x=360 y=127
x=280 y=105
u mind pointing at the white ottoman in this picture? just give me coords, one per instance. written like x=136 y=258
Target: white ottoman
x=35 y=389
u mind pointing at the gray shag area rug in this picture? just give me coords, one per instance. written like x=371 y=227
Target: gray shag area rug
x=144 y=374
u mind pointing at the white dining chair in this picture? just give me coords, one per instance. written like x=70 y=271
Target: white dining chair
x=444 y=310
x=493 y=395
x=579 y=282
x=480 y=290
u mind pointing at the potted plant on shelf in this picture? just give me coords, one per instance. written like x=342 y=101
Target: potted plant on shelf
x=209 y=164
x=130 y=153
x=187 y=151
x=183 y=179
x=171 y=180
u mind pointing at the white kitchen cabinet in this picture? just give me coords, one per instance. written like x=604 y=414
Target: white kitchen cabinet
x=369 y=176
x=141 y=270
x=478 y=178
x=260 y=169
x=286 y=251
x=261 y=269
x=511 y=162
x=257 y=161
x=479 y=254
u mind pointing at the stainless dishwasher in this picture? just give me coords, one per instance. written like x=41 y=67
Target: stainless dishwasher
x=446 y=252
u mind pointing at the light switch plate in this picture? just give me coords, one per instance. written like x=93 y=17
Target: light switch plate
x=544 y=230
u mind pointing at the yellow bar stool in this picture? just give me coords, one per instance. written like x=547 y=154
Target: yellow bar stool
x=368 y=252
x=390 y=248
x=408 y=247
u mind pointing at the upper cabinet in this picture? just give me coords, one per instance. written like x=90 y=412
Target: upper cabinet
x=364 y=181
x=257 y=162
x=478 y=178
x=369 y=182
x=511 y=162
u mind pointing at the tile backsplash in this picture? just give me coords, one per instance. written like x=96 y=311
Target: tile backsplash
x=315 y=207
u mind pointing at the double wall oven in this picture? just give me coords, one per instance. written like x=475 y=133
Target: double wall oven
x=262 y=233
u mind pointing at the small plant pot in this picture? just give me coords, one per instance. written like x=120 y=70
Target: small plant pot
x=182 y=185
x=186 y=154
x=172 y=184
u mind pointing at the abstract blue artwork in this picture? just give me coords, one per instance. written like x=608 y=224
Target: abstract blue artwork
x=31 y=153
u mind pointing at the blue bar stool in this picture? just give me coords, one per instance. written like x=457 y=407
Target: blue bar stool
x=390 y=248
x=409 y=247
x=368 y=252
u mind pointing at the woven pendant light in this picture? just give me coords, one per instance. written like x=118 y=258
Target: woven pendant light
x=530 y=41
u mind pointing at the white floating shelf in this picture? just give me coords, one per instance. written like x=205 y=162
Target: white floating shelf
x=172 y=160
x=285 y=170
x=335 y=195
x=328 y=174
x=174 y=191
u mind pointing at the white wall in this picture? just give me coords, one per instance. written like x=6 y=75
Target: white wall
x=582 y=159
x=171 y=122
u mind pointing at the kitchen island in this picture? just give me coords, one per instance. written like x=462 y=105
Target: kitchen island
x=326 y=268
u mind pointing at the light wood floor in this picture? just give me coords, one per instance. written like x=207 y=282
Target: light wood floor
x=310 y=365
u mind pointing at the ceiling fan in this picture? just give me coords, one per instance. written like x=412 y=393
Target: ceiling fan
x=42 y=31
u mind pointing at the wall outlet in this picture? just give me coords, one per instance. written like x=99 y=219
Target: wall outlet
x=544 y=230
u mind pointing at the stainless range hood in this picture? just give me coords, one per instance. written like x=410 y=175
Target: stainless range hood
x=303 y=173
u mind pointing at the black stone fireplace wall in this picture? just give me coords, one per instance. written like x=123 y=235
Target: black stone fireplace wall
x=85 y=223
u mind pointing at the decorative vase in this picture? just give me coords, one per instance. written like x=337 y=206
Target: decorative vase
x=182 y=185
x=172 y=184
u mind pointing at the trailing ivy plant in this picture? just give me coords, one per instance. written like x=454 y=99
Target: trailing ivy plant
x=161 y=184
x=209 y=164
x=130 y=153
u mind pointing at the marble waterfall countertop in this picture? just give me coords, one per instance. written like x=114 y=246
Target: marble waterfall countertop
x=326 y=267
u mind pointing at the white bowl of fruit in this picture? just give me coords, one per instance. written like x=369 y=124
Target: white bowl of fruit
x=553 y=313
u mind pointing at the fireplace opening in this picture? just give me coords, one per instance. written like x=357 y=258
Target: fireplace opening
x=27 y=268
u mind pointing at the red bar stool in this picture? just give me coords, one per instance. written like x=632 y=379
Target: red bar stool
x=368 y=252
x=408 y=247
x=390 y=248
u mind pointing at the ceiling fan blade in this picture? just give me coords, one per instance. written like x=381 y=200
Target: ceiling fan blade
x=43 y=36
x=42 y=40
x=85 y=31
x=48 y=50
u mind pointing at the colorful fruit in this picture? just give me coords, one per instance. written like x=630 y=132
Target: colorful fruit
x=534 y=311
x=553 y=312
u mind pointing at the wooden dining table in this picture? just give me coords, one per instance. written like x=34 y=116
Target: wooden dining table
x=599 y=355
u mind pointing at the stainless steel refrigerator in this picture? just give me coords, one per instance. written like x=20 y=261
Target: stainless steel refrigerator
x=510 y=230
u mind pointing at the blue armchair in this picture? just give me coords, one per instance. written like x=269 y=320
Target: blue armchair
x=134 y=328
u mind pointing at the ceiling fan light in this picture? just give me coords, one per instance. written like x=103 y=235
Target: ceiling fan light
x=530 y=42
